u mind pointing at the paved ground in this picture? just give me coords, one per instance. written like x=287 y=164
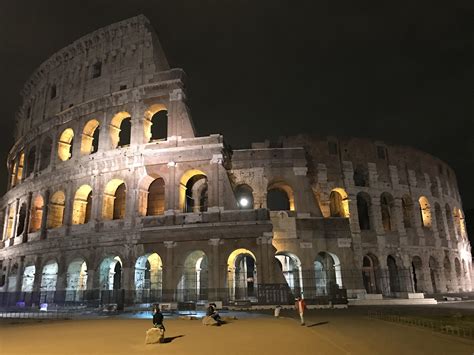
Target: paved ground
x=327 y=332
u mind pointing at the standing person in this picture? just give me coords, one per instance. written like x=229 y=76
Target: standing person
x=300 y=306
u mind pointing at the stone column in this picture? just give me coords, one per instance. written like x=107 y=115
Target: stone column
x=169 y=284
x=7 y=274
x=44 y=217
x=353 y=213
x=37 y=281
x=173 y=189
x=27 y=217
x=397 y=212
x=17 y=216
x=68 y=208
x=19 y=275
x=214 y=183
x=128 y=284
x=137 y=132
x=305 y=203
x=214 y=270
x=376 y=216
x=5 y=223
x=61 y=281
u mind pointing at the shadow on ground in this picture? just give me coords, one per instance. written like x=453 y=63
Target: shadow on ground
x=317 y=324
x=170 y=339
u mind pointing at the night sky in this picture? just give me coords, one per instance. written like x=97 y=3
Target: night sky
x=401 y=72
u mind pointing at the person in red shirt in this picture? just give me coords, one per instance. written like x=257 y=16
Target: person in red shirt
x=300 y=306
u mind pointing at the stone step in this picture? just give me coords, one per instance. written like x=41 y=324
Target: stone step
x=392 y=302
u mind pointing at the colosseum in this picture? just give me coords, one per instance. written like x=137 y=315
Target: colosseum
x=112 y=198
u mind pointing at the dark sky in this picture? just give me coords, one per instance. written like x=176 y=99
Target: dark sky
x=401 y=72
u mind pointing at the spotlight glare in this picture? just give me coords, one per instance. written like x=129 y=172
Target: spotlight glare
x=243 y=202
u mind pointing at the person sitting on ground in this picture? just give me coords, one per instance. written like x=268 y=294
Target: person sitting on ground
x=212 y=312
x=158 y=318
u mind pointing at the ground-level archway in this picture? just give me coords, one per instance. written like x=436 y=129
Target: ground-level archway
x=242 y=275
x=49 y=279
x=148 y=278
x=327 y=268
x=371 y=274
x=291 y=269
x=76 y=280
x=194 y=281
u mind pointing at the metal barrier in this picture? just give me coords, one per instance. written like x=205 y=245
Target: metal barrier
x=36 y=315
x=432 y=324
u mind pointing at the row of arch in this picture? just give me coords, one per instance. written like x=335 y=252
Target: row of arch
x=192 y=282
x=120 y=132
x=151 y=202
x=339 y=207
x=430 y=278
x=193 y=197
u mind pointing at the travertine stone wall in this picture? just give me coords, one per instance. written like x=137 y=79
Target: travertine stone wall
x=120 y=71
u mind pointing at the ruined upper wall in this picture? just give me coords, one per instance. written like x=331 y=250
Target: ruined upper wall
x=411 y=164
x=116 y=57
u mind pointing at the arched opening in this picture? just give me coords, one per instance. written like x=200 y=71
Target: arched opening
x=440 y=221
x=28 y=278
x=156 y=123
x=449 y=220
x=76 y=280
x=193 y=194
x=417 y=274
x=65 y=144
x=242 y=275
x=280 y=197
x=21 y=220
x=111 y=274
x=90 y=138
x=327 y=268
x=120 y=130
x=244 y=196
x=36 y=214
x=407 y=208
x=194 y=280
x=371 y=274
x=13 y=168
x=339 y=203
x=457 y=268
x=12 y=278
x=459 y=223
x=433 y=264
x=363 y=210
x=81 y=213
x=425 y=212
x=361 y=176
x=148 y=278
x=56 y=210
x=386 y=210
x=30 y=163
x=21 y=163
x=45 y=153
x=393 y=274
x=291 y=268
x=156 y=198
x=10 y=222
x=48 y=281
x=114 y=200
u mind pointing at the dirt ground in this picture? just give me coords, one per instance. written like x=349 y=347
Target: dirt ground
x=335 y=332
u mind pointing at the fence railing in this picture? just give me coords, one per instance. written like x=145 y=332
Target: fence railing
x=435 y=325
x=263 y=294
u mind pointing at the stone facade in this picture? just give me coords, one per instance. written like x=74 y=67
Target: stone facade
x=101 y=201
